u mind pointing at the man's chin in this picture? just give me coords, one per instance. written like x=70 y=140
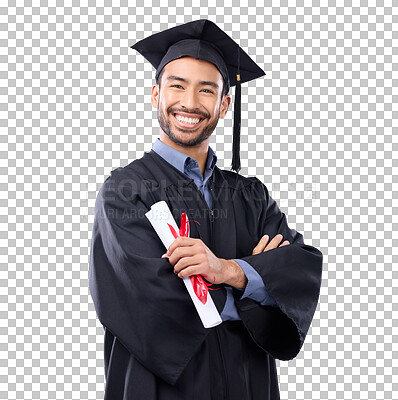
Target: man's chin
x=187 y=139
x=185 y=142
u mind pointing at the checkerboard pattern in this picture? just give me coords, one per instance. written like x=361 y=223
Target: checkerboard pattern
x=320 y=130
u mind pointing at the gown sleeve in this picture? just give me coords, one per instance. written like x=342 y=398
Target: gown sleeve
x=135 y=292
x=292 y=276
x=255 y=288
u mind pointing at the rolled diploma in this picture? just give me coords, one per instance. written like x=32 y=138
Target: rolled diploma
x=159 y=216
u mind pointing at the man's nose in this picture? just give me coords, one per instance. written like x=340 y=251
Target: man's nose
x=190 y=99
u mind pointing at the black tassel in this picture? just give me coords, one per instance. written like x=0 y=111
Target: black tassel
x=236 y=131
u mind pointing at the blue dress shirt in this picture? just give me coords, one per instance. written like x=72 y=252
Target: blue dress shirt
x=255 y=288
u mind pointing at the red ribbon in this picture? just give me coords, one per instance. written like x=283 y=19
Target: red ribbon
x=200 y=287
x=173 y=231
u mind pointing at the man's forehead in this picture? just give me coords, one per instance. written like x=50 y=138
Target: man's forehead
x=182 y=67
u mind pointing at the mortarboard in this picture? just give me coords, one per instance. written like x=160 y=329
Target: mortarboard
x=202 y=39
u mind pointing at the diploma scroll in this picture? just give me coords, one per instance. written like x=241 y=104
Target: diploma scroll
x=161 y=219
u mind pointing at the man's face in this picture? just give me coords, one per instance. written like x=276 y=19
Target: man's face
x=189 y=102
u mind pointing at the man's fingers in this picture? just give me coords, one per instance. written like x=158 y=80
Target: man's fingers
x=189 y=271
x=274 y=242
x=186 y=263
x=181 y=241
x=260 y=245
x=181 y=252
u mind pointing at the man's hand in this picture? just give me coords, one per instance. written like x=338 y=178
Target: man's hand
x=261 y=245
x=190 y=256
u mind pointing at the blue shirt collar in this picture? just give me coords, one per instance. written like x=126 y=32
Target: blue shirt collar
x=180 y=160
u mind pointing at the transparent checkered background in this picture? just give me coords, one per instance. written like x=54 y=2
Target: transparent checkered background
x=320 y=130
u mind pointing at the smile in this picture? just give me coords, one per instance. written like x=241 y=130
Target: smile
x=186 y=122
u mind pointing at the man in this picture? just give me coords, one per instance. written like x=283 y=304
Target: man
x=266 y=279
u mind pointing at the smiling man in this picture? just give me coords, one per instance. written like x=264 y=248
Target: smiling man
x=184 y=92
x=191 y=102
x=267 y=280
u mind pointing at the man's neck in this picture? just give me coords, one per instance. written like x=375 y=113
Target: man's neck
x=199 y=152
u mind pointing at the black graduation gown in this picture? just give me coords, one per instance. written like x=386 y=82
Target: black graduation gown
x=156 y=347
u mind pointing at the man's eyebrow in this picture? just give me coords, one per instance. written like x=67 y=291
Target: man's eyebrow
x=175 y=78
x=178 y=78
x=209 y=83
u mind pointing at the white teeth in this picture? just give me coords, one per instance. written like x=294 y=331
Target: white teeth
x=191 y=121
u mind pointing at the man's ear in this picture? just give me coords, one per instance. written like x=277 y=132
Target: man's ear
x=225 y=102
x=155 y=95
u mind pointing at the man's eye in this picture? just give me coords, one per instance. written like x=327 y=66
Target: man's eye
x=208 y=91
x=176 y=86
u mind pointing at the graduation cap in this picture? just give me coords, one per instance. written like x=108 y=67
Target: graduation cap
x=202 y=39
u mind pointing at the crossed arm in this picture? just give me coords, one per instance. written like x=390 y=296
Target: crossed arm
x=190 y=256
